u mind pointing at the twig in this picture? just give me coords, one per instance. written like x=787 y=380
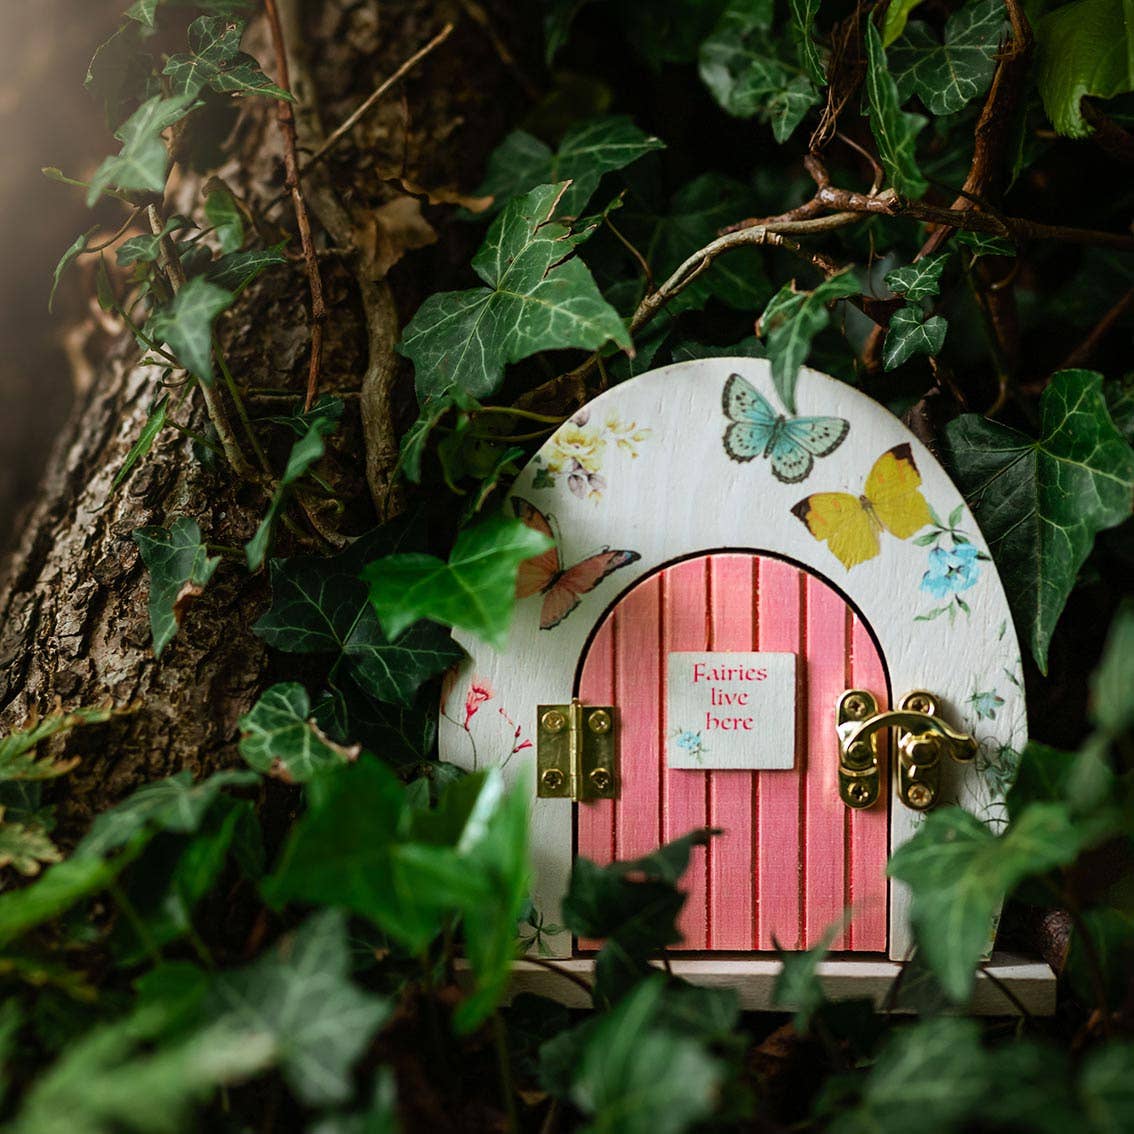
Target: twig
x=134 y=212
x=1007 y=992
x=559 y=970
x=773 y=233
x=364 y=107
x=170 y=263
x=1083 y=352
x=504 y=1065
x=286 y=119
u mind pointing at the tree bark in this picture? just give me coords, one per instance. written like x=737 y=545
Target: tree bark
x=73 y=604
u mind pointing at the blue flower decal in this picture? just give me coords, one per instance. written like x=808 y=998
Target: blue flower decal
x=951 y=571
x=691 y=741
x=986 y=703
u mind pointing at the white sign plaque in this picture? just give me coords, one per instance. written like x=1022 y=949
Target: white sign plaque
x=730 y=710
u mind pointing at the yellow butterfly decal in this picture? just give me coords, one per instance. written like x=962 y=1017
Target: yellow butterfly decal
x=890 y=500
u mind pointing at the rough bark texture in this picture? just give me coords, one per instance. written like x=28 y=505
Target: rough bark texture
x=73 y=618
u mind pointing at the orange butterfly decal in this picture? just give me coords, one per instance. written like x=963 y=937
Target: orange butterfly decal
x=562 y=587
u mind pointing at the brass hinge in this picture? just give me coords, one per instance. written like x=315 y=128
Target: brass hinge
x=577 y=752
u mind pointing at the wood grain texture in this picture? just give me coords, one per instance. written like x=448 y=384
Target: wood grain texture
x=791 y=859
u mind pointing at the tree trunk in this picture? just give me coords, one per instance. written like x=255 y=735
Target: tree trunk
x=74 y=625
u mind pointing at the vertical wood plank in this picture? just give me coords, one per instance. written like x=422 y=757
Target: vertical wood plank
x=825 y=815
x=870 y=829
x=733 y=806
x=684 y=793
x=778 y=856
x=638 y=661
x=596 y=687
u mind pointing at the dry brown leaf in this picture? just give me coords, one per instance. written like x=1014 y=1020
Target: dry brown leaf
x=388 y=233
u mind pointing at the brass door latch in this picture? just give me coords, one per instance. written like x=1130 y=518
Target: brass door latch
x=922 y=740
x=576 y=752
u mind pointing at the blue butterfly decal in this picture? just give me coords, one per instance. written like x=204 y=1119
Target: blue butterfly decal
x=790 y=443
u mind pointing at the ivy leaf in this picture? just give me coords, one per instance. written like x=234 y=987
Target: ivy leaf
x=634 y=906
x=539 y=297
x=145 y=11
x=921 y=280
x=77 y=247
x=929 y=1077
x=984 y=244
x=958 y=872
x=895 y=131
x=236 y=270
x=118 y=70
x=1040 y=503
x=617 y=1080
x=304 y=453
x=791 y=321
x=1112 y=705
x=475 y=590
x=223 y=213
x=321 y=606
x=416 y=439
x=116 y=1079
x=588 y=151
x=300 y=1001
x=25 y=847
x=186 y=325
x=404 y=736
x=279 y=738
x=948 y=75
x=797 y=983
x=179 y=568
x=381 y=1117
x=803 y=13
x=1084 y=49
x=174 y=804
x=146 y=247
x=694 y=216
x=910 y=333
x=739 y=65
x=215 y=60
x=143 y=161
x=894 y=21
x=155 y=423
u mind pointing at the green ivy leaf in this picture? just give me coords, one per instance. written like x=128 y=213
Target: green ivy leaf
x=895 y=131
x=617 y=1081
x=118 y=70
x=279 y=738
x=959 y=872
x=145 y=11
x=146 y=247
x=983 y=244
x=474 y=591
x=115 y=1079
x=803 y=13
x=415 y=440
x=948 y=75
x=791 y=321
x=143 y=161
x=179 y=568
x=381 y=1117
x=175 y=804
x=588 y=151
x=929 y=1077
x=215 y=60
x=299 y=1001
x=1040 y=503
x=304 y=453
x=77 y=247
x=321 y=606
x=155 y=423
x=894 y=21
x=740 y=66
x=186 y=325
x=797 y=984
x=921 y=280
x=236 y=270
x=634 y=906
x=1112 y=699
x=1083 y=50
x=539 y=297
x=910 y=333
x=694 y=216
x=223 y=213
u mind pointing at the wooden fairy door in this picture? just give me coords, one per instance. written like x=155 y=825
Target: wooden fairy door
x=793 y=859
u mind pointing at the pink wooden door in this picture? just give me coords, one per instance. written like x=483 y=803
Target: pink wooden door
x=793 y=859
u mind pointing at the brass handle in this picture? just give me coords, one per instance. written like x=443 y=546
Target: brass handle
x=923 y=738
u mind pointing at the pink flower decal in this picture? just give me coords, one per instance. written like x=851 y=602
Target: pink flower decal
x=479 y=692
